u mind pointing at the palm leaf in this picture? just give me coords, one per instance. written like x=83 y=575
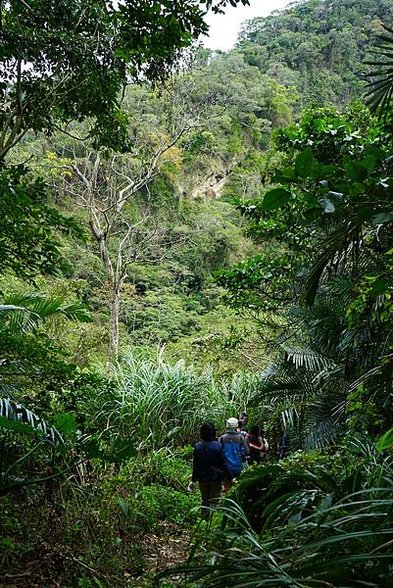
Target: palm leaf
x=24 y=312
x=307 y=358
x=324 y=433
x=379 y=92
x=16 y=417
x=286 y=385
x=336 y=242
x=317 y=540
x=17 y=318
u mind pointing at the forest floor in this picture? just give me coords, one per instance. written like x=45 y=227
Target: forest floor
x=162 y=549
x=167 y=547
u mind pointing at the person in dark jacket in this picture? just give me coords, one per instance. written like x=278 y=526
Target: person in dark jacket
x=209 y=467
x=243 y=422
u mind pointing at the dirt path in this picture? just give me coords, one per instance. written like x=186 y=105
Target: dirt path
x=165 y=548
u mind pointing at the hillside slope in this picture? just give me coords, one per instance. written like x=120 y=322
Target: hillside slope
x=318 y=46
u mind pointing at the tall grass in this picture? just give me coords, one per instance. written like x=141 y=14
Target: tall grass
x=240 y=390
x=157 y=404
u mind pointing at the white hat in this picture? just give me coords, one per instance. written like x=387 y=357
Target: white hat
x=232 y=423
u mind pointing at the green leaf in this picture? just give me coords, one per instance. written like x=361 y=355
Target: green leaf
x=382 y=217
x=65 y=423
x=285 y=175
x=304 y=163
x=386 y=441
x=380 y=286
x=276 y=198
x=121 y=451
x=357 y=171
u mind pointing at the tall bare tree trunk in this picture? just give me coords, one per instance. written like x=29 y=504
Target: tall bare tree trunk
x=114 y=282
x=114 y=311
x=106 y=186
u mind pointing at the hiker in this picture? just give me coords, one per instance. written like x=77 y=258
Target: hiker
x=265 y=443
x=209 y=468
x=243 y=422
x=235 y=450
x=258 y=445
x=242 y=427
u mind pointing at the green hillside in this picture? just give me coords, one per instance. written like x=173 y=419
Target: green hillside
x=316 y=45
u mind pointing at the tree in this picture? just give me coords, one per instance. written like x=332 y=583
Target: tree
x=242 y=105
x=171 y=129
x=108 y=184
x=317 y=46
x=71 y=59
x=30 y=225
x=325 y=269
x=106 y=187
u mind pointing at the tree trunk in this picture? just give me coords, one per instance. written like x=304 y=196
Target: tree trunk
x=114 y=309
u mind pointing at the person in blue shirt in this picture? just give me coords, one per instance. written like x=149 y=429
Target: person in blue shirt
x=235 y=449
x=209 y=467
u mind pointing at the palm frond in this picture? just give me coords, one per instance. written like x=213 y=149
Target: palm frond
x=17 y=318
x=342 y=287
x=380 y=91
x=290 y=416
x=311 y=536
x=284 y=385
x=324 y=433
x=23 y=312
x=336 y=242
x=307 y=358
x=13 y=414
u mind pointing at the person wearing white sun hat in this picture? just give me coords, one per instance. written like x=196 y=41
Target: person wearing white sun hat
x=235 y=450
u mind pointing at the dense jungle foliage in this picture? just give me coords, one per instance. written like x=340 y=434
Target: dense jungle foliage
x=185 y=235
x=318 y=47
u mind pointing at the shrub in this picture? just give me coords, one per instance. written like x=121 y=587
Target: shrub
x=317 y=527
x=155 y=502
x=161 y=467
